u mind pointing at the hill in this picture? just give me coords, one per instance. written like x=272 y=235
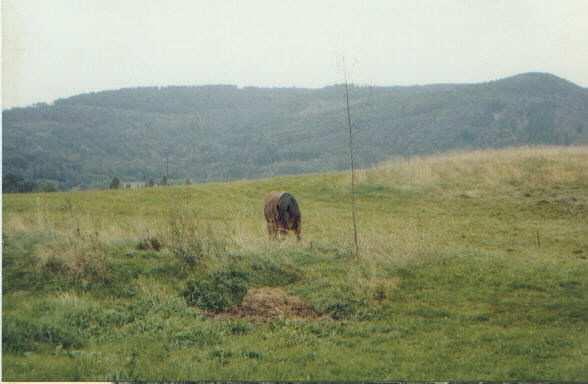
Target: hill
x=472 y=265
x=224 y=132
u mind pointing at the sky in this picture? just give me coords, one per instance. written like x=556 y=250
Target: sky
x=60 y=48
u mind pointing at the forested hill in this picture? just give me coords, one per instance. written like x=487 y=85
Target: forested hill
x=222 y=132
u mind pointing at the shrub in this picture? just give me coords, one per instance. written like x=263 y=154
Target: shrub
x=221 y=290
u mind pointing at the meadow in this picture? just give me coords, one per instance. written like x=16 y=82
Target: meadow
x=472 y=265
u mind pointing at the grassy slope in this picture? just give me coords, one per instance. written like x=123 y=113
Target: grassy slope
x=473 y=266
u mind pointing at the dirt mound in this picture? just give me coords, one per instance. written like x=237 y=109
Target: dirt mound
x=270 y=303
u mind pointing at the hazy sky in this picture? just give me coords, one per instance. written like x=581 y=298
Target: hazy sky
x=58 y=48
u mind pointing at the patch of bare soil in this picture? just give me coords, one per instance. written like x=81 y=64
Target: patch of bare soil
x=269 y=303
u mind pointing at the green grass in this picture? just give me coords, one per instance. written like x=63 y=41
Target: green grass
x=472 y=266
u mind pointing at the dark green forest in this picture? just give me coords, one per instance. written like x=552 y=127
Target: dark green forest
x=223 y=132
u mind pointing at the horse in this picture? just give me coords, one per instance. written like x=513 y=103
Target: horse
x=282 y=214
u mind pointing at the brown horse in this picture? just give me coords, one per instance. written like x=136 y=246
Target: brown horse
x=282 y=214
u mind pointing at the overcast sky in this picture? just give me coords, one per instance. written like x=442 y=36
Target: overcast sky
x=59 y=48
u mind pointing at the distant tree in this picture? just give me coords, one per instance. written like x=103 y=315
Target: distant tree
x=46 y=186
x=467 y=136
x=12 y=183
x=115 y=183
x=150 y=183
x=188 y=182
x=163 y=180
x=127 y=186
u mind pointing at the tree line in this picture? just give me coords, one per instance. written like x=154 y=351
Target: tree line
x=219 y=133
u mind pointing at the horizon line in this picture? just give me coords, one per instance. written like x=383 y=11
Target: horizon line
x=285 y=87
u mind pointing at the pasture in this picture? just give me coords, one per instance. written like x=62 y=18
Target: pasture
x=472 y=266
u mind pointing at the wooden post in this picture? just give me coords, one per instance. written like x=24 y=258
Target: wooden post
x=353 y=204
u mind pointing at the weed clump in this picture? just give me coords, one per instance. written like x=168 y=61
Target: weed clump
x=273 y=275
x=21 y=335
x=81 y=259
x=95 y=320
x=354 y=306
x=221 y=355
x=54 y=265
x=149 y=244
x=71 y=262
x=240 y=328
x=190 y=243
x=339 y=310
x=252 y=355
x=196 y=337
x=220 y=291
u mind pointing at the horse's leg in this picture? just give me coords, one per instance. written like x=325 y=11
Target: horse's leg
x=297 y=231
x=282 y=233
x=271 y=230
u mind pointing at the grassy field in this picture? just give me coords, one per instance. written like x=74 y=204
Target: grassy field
x=472 y=266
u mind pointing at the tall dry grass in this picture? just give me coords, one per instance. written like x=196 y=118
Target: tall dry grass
x=488 y=166
x=227 y=217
